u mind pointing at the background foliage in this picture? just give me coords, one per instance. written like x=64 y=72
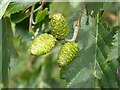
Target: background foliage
x=98 y=38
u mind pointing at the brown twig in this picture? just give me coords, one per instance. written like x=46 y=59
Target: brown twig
x=78 y=24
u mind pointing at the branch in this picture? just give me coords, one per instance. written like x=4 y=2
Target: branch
x=31 y=20
x=41 y=6
x=78 y=24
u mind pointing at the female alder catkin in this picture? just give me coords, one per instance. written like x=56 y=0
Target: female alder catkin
x=67 y=53
x=42 y=44
x=59 y=26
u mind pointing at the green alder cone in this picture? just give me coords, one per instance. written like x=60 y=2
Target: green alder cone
x=67 y=53
x=59 y=26
x=42 y=44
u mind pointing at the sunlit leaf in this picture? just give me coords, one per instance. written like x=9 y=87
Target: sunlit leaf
x=16 y=7
x=3 y=5
x=41 y=15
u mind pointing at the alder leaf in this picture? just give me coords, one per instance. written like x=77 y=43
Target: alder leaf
x=16 y=7
x=113 y=54
x=41 y=15
x=91 y=69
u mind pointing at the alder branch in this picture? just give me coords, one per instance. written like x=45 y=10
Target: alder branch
x=78 y=24
x=31 y=20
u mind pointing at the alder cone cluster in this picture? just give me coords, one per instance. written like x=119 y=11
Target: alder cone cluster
x=46 y=42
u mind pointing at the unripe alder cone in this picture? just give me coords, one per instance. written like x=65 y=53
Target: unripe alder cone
x=67 y=53
x=42 y=44
x=59 y=26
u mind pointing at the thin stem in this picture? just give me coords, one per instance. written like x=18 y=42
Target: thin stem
x=78 y=24
x=31 y=20
x=41 y=6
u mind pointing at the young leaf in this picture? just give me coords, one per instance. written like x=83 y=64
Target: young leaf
x=16 y=7
x=41 y=15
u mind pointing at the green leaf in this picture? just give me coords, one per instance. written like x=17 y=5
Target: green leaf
x=91 y=69
x=8 y=49
x=16 y=7
x=3 y=5
x=18 y=17
x=41 y=15
x=21 y=30
x=113 y=54
x=6 y=44
x=94 y=7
